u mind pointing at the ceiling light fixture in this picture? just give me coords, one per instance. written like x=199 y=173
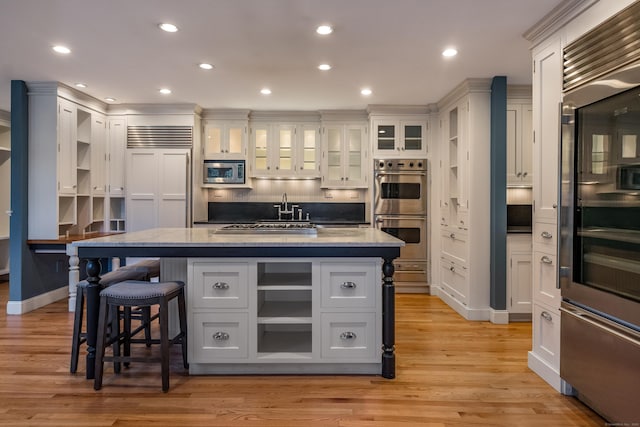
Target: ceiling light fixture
x=324 y=67
x=165 y=91
x=81 y=85
x=205 y=66
x=324 y=30
x=449 y=52
x=61 y=49
x=109 y=99
x=169 y=28
x=266 y=91
x=366 y=92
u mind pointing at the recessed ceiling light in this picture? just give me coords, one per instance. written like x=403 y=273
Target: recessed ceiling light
x=266 y=91
x=366 y=92
x=81 y=85
x=61 y=49
x=165 y=91
x=169 y=28
x=449 y=52
x=205 y=66
x=324 y=67
x=109 y=99
x=324 y=30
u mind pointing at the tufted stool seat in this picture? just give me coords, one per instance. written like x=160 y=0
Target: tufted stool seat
x=130 y=294
x=143 y=270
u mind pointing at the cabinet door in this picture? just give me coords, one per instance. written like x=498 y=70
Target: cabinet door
x=261 y=159
x=547 y=92
x=544 y=279
x=332 y=156
x=386 y=137
x=413 y=137
x=225 y=139
x=527 y=144
x=514 y=141
x=307 y=151
x=67 y=150
x=116 y=148
x=355 y=156
x=283 y=154
x=98 y=155
x=173 y=178
x=142 y=191
x=519 y=288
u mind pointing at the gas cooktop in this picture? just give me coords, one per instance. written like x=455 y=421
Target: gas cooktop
x=276 y=227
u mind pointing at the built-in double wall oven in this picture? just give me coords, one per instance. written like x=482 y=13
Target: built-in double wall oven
x=599 y=233
x=400 y=209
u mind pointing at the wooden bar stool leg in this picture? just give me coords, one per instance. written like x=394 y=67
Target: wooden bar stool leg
x=127 y=334
x=76 y=339
x=100 y=344
x=164 y=344
x=182 y=313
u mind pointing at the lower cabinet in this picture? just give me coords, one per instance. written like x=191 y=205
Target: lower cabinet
x=262 y=315
x=519 y=274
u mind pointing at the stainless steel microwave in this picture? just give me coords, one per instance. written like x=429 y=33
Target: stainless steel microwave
x=224 y=172
x=629 y=177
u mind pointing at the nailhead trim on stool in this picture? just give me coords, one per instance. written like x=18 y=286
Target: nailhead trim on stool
x=140 y=294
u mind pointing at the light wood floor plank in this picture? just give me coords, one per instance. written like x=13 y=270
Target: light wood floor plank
x=450 y=372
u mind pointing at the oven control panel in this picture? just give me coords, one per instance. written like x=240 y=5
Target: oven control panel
x=400 y=165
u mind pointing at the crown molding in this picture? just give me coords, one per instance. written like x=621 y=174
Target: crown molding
x=283 y=115
x=225 y=114
x=557 y=18
x=389 y=109
x=343 y=115
x=155 y=109
x=475 y=85
x=40 y=88
x=519 y=91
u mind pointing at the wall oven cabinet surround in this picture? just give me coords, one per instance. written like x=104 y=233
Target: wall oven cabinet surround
x=345 y=155
x=285 y=150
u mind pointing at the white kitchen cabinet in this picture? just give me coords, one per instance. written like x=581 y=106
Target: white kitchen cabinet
x=5 y=191
x=319 y=315
x=519 y=144
x=519 y=274
x=345 y=159
x=157 y=189
x=464 y=187
x=116 y=147
x=61 y=170
x=545 y=268
x=284 y=150
x=225 y=139
x=98 y=155
x=404 y=137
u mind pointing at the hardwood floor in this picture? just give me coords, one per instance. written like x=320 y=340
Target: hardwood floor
x=450 y=372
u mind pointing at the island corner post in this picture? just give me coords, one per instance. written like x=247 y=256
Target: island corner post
x=94 y=252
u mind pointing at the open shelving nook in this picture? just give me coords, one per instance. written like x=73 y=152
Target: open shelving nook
x=284 y=310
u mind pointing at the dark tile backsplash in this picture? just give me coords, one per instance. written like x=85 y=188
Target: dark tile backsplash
x=319 y=213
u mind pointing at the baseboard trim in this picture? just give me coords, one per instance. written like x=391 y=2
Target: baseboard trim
x=545 y=371
x=466 y=312
x=25 y=306
x=499 y=317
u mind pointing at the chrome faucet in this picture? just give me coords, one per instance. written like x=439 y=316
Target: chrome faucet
x=283 y=208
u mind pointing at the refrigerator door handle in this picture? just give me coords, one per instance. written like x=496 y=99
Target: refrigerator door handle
x=607 y=326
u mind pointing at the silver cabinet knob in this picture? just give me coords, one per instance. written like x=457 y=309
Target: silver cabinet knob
x=348 y=336
x=452 y=235
x=221 y=336
x=546 y=235
x=348 y=285
x=546 y=316
x=220 y=285
x=545 y=259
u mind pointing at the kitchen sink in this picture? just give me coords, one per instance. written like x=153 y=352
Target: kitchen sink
x=271 y=227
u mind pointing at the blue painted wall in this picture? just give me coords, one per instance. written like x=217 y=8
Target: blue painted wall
x=498 y=295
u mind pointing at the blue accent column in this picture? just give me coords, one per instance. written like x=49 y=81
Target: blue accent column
x=498 y=294
x=18 y=249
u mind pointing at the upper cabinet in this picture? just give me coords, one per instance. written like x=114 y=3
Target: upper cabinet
x=399 y=132
x=345 y=160
x=225 y=139
x=284 y=149
x=520 y=140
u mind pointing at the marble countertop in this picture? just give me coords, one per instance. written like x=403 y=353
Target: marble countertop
x=206 y=237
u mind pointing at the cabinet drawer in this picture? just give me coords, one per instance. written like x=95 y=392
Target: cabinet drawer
x=218 y=336
x=219 y=285
x=454 y=244
x=349 y=285
x=545 y=234
x=546 y=335
x=454 y=280
x=349 y=336
x=544 y=279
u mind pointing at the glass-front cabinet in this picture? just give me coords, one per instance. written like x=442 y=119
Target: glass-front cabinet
x=345 y=156
x=399 y=137
x=225 y=139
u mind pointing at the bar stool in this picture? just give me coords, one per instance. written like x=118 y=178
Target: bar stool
x=144 y=270
x=139 y=294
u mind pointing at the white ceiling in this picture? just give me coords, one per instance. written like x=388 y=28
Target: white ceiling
x=391 y=46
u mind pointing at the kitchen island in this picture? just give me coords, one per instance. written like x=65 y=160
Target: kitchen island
x=270 y=303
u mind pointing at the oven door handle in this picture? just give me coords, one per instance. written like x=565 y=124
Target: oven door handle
x=381 y=174
x=380 y=218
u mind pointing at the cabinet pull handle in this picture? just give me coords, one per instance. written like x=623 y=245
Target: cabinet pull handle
x=221 y=336
x=555 y=205
x=452 y=268
x=348 y=285
x=546 y=316
x=519 y=174
x=524 y=174
x=220 y=285
x=348 y=336
x=452 y=235
x=545 y=259
x=546 y=235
